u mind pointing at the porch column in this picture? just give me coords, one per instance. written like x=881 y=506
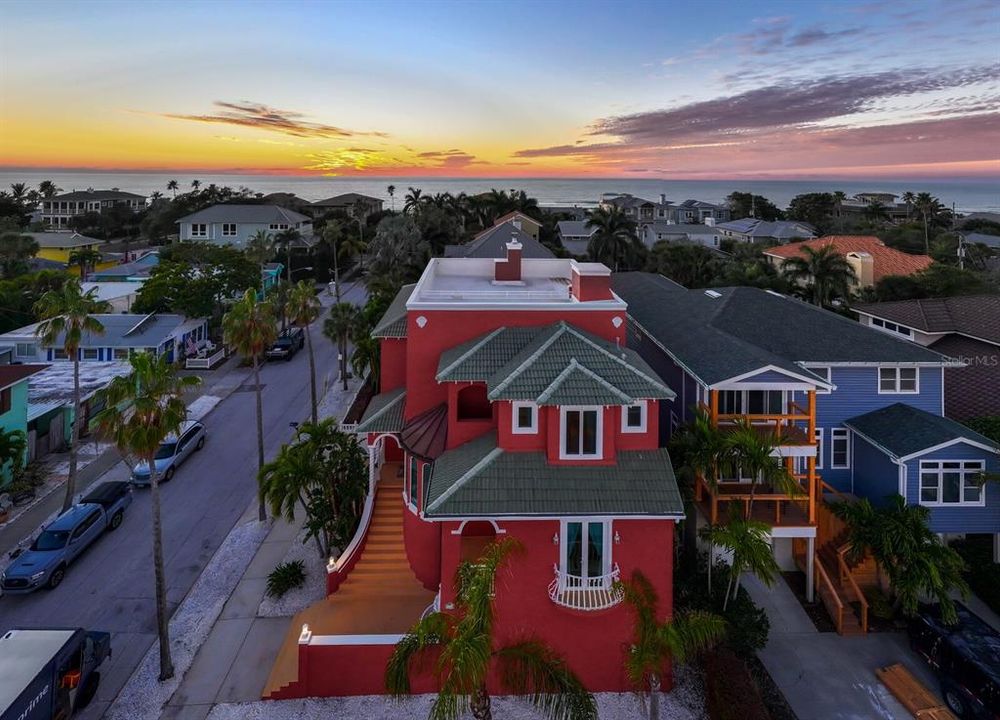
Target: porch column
x=713 y=407
x=810 y=569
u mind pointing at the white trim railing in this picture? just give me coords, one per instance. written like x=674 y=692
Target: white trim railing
x=205 y=363
x=586 y=593
x=434 y=607
x=354 y=547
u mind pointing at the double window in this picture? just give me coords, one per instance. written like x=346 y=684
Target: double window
x=199 y=230
x=228 y=229
x=525 y=418
x=752 y=402
x=25 y=350
x=951 y=482
x=90 y=353
x=892 y=327
x=586 y=555
x=581 y=432
x=634 y=418
x=840 y=448
x=278 y=226
x=898 y=380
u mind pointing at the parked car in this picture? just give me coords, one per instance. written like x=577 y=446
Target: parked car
x=174 y=450
x=289 y=342
x=44 y=563
x=965 y=657
x=47 y=674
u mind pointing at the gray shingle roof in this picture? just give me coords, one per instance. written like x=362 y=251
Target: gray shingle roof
x=553 y=365
x=974 y=315
x=384 y=413
x=492 y=243
x=131 y=331
x=345 y=199
x=742 y=329
x=245 y=214
x=393 y=323
x=992 y=241
x=96 y=195
x=66 y=240
x=904 y=430
x=782 y=229
x=479 y=479
x=575 y=228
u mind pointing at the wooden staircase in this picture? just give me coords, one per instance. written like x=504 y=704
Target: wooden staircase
x=840 y=582
x=380 y=596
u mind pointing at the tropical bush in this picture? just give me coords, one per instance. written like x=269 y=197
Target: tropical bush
x=988 y=426
x=730 y=691
x=983 y=575
x=286 y=576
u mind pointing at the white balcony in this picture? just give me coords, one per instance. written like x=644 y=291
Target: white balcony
x=586 y=593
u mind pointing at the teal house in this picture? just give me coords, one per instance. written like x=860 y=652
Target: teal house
x=14 y=406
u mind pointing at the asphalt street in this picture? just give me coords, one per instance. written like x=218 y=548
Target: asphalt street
x=110 y=587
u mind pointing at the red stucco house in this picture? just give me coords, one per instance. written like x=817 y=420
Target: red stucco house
x=509 y=406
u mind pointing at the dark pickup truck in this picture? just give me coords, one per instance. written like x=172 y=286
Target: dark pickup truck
x=289 y=342
x=44 y=563
x=49 y=674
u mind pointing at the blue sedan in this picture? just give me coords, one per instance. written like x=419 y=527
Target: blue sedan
x=173 y=451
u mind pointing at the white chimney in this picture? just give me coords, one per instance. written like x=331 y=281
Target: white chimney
x=710 y=221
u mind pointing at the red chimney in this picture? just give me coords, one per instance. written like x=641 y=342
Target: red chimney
x=509 y=269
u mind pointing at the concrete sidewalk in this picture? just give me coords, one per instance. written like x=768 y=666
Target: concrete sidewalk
x=825 y=676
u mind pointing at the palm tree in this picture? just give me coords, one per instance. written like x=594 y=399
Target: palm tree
x=155 y=195
x=19 y=192
x=195 y=184
x=250 y=327
x=365 y=358
x=392 y=197
x=838 y=200
x=172 y=186
x=751 y=450
x=259 y=248
x=352 y=245
x=660 y=642
x=910 y=199
x=15 y=250
x=286 y=239
x=613 y=235
x=341 y=326
x=875 y=211
x=825 y=273
x=13 y=444
x=48 y=189
x=142 y=408
x=86 y=258
x=303 y=308
x=929 y=207
x=412 y=200
x=465 y=652
x=915 y=560
x=748 y=541
x=67 y=314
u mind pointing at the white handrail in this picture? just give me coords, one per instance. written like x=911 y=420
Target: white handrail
x=586 y=593
x=359 y=535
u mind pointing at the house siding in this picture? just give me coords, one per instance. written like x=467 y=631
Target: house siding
x=959 y=519
x=876 y=476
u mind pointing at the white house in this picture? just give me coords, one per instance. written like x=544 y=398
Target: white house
x=236 y=224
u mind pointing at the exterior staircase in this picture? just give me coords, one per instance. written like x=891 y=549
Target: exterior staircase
x=840 y=582
x=380 y=596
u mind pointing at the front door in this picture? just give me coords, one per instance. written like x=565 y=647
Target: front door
x=586 y=554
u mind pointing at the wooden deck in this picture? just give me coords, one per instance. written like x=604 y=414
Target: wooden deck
x=775 y=510
x=379 y=597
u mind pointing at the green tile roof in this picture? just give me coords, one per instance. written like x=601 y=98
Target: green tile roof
x=393 y=323
x=478 y=479
x=729 y=331
x=556 y=364
x=384 y=413
x=904 y=430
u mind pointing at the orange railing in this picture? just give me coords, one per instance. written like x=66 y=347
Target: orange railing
x=846 y=576
x=828 y=594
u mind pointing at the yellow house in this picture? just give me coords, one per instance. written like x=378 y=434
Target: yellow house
x=58 y=246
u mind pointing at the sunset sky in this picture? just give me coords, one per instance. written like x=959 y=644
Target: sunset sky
x=707 y=89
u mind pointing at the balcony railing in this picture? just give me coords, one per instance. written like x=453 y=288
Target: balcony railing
x=586 y=593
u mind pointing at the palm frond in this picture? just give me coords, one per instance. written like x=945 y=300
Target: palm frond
x=532 y=669
x=431 y=631
x=691 y=633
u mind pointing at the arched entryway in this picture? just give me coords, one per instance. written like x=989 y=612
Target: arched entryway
x=385 y=457
x=476 y=535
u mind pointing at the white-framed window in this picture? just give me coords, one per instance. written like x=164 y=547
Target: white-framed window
x=26 y=350
x=581 y=428
x=891 y=327
x=199 y=230
x=228 y=229
x=585 y=552
x=819 y=448
x=121 y=353
x=824 y=372
x=898 y=380
x=840 y=448
x=59 y=354
x=951 y=482
x=634 y=418
x=751 y=402
x=278 y=226
x=413 y=488
x=525 y=418
x=90 y=353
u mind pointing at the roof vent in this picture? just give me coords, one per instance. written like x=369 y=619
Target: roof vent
x=713 y=294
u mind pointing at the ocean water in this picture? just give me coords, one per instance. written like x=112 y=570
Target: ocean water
x=966 y=195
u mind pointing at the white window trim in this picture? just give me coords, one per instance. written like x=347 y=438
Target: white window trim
x=514 y=427
x=940 y=486
x=599 y=454
x=202 y=233
x=837 y=434
x=407 y=492
x=564 y=544
x=95 y=351
x=626 y=428
x=234 y=233
x=821 y=447
x=25 y=345
x=819 y=370
x=896 y=391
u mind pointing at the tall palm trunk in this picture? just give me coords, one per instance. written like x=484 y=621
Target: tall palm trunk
x=74 y=437
x=654 y=697
x=480 y=704
x=343 y=360
x=162 y=621
x=288 y=272
x=312 y=375
x=927 y=241
x=261 y=509
x=336 y=273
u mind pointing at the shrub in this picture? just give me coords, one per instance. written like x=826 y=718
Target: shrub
x=730 y=692
x=286 y=576
x=983 y=575
x=879 y=604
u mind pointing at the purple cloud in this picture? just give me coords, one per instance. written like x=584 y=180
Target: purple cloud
x=265 y=117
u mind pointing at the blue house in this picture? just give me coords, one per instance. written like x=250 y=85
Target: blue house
x=836 y=393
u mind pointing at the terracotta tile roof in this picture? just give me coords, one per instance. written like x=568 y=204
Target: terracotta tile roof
x=886 y=260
